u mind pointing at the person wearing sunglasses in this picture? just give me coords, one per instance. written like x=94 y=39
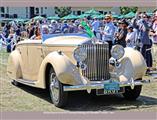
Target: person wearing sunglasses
x=122 y=33
x=108 y=32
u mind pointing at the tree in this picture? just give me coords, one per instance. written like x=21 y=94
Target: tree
x=125 y=10
x=62 y=11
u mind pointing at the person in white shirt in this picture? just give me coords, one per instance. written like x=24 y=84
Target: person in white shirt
x=130 y=38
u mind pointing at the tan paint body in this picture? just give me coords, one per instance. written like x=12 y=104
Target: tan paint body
x=133 y=65
x=30 y=59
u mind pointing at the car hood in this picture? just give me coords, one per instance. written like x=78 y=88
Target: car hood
x=66 y=40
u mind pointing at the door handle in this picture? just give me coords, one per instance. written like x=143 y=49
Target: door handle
x=42 y=56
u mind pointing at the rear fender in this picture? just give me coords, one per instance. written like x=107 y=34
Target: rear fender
x=14 y=67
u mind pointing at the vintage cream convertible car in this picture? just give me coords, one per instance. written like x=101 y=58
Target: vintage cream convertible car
x=71 y=62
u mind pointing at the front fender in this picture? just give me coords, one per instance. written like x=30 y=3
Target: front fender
x=66 y=71
x=133 y=65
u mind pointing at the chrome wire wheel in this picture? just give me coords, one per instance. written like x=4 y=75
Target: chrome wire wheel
x=54 y=87
x=57 y=94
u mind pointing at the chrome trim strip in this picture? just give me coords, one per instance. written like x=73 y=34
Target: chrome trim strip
x=60 y=45
x=24 y=81
x=100 y=85
x=48 y=45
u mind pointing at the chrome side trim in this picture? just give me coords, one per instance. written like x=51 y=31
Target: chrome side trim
x=28 y=82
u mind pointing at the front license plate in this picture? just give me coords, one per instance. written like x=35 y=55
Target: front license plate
x=111 y=88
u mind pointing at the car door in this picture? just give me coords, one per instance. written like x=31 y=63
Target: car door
x=24 y=59
x=35 y=58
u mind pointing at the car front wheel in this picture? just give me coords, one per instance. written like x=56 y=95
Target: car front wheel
x=132 y=94
x=58 y=96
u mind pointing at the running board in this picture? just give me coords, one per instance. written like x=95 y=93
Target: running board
x=27 y=82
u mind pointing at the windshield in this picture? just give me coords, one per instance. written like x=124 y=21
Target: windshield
x=56 y=29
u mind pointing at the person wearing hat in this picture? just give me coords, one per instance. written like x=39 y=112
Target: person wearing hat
x=146 y=41
x=108 y=32
x=121 y=35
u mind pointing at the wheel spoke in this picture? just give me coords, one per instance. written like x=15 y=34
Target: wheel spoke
x=54 y=86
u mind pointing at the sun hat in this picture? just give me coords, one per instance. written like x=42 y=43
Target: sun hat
x=108 y=16
x=124 y=22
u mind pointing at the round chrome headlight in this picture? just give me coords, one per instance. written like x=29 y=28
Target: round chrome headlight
x=117 y=52
x=80 y=54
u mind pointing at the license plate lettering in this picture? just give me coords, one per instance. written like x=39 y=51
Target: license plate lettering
x=111 y=88
x=111 y=91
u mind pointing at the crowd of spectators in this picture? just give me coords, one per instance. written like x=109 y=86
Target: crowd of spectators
x=140 y=31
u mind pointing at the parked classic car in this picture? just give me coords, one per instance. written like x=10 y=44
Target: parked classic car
x=71 y=62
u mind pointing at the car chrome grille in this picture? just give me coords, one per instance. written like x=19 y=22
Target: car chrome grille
x=97 y=62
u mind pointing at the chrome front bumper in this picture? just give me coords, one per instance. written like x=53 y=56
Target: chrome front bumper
x=100 y=85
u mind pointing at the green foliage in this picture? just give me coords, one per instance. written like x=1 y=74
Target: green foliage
x=62 y=11
x=126 y=10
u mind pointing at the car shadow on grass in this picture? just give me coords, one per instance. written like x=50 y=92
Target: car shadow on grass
x=38 y=92
x=86 y=102
x=82 y=101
